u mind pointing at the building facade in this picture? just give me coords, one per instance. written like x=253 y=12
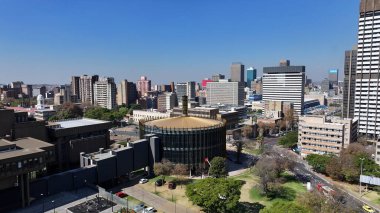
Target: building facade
x=285 y=83
x=333 y=76
x=148 y=115
x=217 y=77
x=349 y=83
x=86 y=85
x=105 y=93
x=317 y=135
x=166 y=101
x=251 y=75
x=367 y=86
x=126 y=93
x=225 y=92
x=75 y=88
x=237 y=72
x=143 y=86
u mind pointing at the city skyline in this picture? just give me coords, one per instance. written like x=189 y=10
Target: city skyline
x=51 y=41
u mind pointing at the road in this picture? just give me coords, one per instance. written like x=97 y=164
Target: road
x=301 y=169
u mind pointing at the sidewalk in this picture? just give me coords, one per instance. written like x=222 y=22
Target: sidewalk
x=156 y=201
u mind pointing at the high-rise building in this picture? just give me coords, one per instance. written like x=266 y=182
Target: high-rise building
x=217 y=77
x=257 y=86
x=86 y=85
x=190 y=90
x=326 y=85
x=181 y=90
x=75 y=86
x=172 y=86
x=237 y=72
x=367 y=109
x=225 y=92
x=251 y=75
x=143 y=86
x=349 y=83
x=105 y=93
x=166 y=101
x=126 y=93
x=284 y=63
x=27 y=90
x=285 y=83
x=333 y=76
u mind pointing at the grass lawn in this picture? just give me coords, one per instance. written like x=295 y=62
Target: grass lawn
x=177 y=195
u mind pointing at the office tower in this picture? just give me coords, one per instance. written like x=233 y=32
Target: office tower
x=165 y=88
x=126 y=93
x=105 y=93
x=166 y=101
x=251 y=75
x=217 y=77
x=225 y=92
x=237 y=72
x=367 y=109
x=17 y=84
x=326 y=85
x=172 y=86
x=190 y=90
x=143 y=86
x=285 y=83
x=284 y=63
x=333 y=76
x=75 y=86
x=349 y=83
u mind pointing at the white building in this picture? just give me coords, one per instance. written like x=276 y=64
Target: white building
x=285 y=83
x=148 y=115
x=105 y=93
x=367 y=99
x=317 y=135
x=225 y=92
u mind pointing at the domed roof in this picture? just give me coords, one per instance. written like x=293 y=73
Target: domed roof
x=183 y=122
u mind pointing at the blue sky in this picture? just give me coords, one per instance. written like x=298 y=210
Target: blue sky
x=170 y=40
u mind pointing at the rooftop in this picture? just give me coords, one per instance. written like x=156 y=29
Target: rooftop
x=183 y=122
x=25 y=146
x=77 y=122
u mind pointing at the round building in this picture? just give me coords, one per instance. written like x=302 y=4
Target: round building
x=188 y=140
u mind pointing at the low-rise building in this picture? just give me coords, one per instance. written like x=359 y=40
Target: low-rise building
x=317 y=135
x=19 y=162
x=202 y=112
x=148 y=115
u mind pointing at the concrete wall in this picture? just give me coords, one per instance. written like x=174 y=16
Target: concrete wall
x=6 y=121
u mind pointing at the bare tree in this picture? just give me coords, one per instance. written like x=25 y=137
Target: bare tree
x=289 y=118
x=247 y=131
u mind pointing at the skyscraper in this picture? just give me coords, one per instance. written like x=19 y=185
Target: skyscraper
x=187 y=89
x=75 y=86
x=251 y=75
x=333 y=76
x=126 y=93
x=143 y=86
x=86 y=85
x=166 y=101
x=237 y=72
x=105 y=93
x=225 y=92
x=285 y=83
x=217 y=77
x=349 y=83
x=367 y=109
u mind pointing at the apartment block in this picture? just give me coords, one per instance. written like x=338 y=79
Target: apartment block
x=317 y=135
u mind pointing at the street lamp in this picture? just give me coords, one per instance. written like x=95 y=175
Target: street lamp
x=53 y=205
x=361 y=173
x=43 y=203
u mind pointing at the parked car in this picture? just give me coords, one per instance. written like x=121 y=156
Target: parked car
x=159 y=182
x=121 y=194
x=143 y=180
x=368 y=209
x=139 y=207
x=149 y=210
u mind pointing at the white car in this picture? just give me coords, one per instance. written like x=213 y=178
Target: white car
x=149 y=210
x=143 y=180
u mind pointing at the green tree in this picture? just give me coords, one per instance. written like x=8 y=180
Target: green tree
x=67 y=111
x=319 y=162
x=215 y=195
x=289 y=139
x=218 y=168
x=285 y=207
x=133 y=107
